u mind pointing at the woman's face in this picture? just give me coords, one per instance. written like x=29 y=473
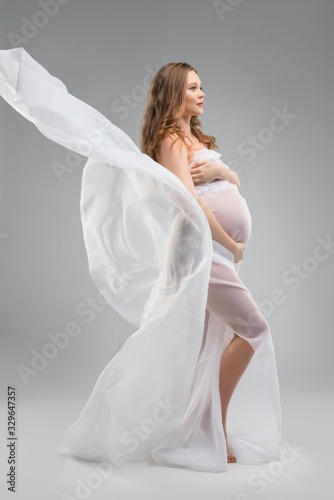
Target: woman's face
x=194 y=95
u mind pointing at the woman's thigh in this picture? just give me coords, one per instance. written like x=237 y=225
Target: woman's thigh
x=229 y=298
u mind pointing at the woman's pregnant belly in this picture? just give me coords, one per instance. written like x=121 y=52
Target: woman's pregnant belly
x=230 y=209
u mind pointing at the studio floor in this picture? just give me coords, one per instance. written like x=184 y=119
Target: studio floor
x=46 y=471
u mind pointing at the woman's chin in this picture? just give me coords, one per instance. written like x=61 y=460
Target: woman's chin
x=199 y=112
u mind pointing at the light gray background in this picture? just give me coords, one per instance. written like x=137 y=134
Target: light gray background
x=258 y=57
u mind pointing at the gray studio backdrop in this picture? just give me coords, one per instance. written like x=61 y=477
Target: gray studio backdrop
x=267 y=70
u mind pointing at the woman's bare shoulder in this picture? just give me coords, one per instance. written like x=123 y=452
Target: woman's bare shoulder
x=172 y=151
x=172 y=143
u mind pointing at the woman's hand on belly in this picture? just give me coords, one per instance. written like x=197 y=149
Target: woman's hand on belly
x=238 y=253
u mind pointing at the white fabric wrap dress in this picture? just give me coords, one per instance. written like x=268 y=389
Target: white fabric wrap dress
x=151 y=254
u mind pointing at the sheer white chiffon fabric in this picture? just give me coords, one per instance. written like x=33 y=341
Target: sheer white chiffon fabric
x=151 y=254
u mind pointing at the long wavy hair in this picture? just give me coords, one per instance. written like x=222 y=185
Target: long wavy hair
x=165 y=104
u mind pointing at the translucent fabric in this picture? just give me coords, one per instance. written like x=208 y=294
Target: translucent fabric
x=151 y=254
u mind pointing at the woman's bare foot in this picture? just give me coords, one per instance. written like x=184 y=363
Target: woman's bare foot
x=234 y=362
x=230 y=458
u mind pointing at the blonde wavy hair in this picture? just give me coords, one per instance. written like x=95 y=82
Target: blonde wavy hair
x=165 y=104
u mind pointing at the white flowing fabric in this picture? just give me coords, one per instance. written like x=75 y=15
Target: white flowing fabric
x=151 y=254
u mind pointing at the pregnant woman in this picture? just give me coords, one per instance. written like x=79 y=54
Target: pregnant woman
x=165 y=231
x=172 y=135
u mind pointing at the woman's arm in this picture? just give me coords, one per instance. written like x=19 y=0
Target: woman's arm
x=229 y=175
x=175 y=158
x=207 y=171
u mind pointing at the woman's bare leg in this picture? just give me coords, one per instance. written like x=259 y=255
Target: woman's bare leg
x=234 y=362
x=231 y=300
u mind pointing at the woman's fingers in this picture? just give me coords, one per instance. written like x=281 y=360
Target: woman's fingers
x=203 y=171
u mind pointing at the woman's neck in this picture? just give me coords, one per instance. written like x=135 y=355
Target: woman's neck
x=184 y=123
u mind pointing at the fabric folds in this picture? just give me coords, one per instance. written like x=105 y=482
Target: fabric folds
x=150 y=252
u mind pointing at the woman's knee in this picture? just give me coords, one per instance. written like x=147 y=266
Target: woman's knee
x=253 y=324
